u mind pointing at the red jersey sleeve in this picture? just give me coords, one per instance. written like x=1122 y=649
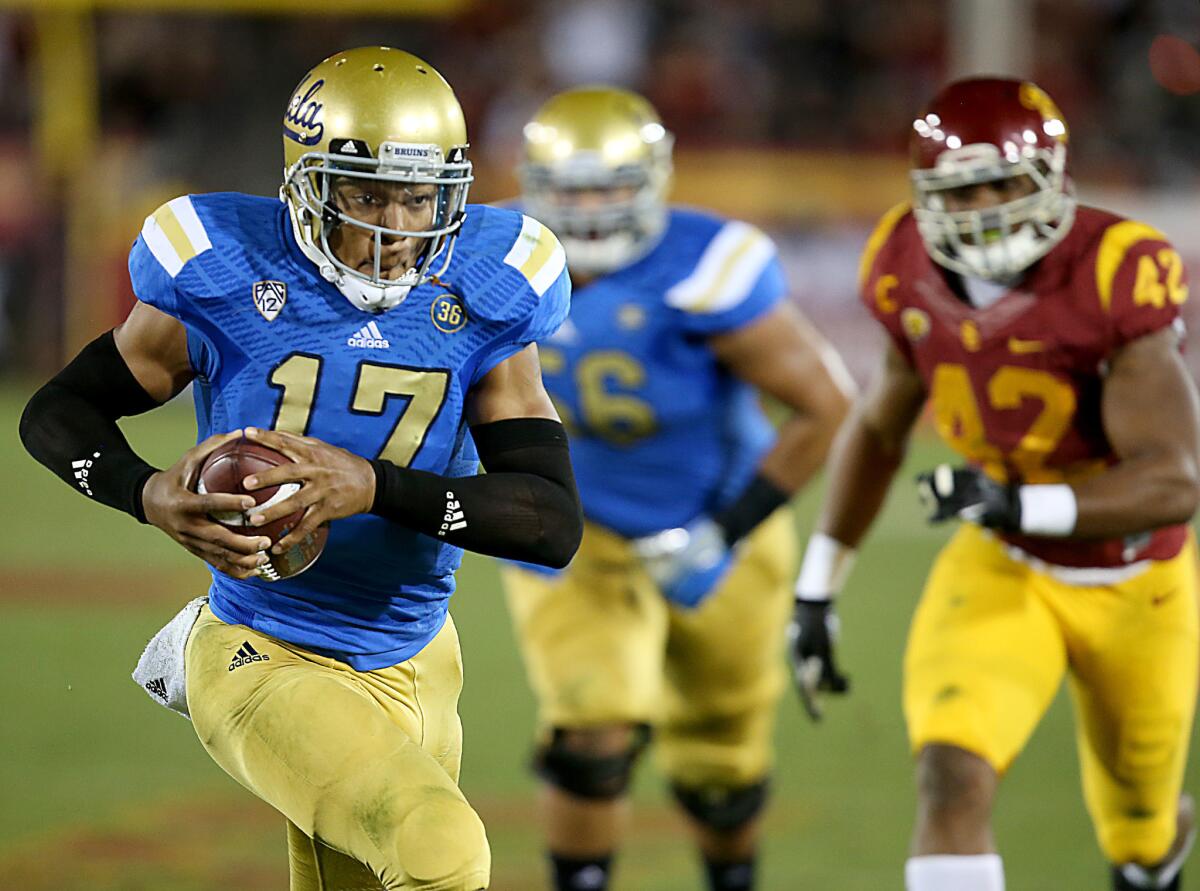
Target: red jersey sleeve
x=1140 y=281
x=877 y=281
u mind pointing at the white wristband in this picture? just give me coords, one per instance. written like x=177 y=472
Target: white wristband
x=827 y=563
x=1048 y=510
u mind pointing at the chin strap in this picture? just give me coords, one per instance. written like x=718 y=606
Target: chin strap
x=363 y=295
x=1005 y=259
x=371 y=298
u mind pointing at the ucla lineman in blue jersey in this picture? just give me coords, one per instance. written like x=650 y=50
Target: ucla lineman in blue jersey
x=379 y=331
x=672 y=614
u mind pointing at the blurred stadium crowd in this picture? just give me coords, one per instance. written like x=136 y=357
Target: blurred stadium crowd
x=190 y=102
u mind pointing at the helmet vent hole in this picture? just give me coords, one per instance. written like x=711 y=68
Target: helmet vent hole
x=421 y=70
x=339 y=63
x=378 y=66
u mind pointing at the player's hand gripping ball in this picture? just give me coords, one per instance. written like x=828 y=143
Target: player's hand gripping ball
x=225 y=469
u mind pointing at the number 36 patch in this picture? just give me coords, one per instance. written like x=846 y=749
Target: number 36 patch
x=448 y=313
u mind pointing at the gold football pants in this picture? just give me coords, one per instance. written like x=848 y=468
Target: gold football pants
x=602 y=646
x=364 y=765
x=991 y=641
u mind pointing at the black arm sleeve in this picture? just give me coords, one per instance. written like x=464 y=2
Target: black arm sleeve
x=70 y=425
x=526 y=506
x=758 y=500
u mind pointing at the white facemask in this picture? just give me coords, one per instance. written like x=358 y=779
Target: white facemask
x=361 y=293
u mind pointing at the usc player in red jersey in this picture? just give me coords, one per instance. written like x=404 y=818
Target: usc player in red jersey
x=1046 y=335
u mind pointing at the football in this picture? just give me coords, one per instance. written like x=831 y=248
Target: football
x=223 y=471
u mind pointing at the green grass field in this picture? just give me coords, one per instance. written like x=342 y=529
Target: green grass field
x=101 y=790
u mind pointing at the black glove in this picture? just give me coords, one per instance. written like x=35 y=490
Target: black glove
x=967 y=493
x=811 y=635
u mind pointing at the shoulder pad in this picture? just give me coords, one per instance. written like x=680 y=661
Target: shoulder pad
x=883 y=230
x=726 y=271
x=1141 y=281
x=505 y=263
x=1127 y=240
x=174 y=235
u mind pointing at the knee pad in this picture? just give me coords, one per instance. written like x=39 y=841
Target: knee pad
x=595 y=777
x=720 y=807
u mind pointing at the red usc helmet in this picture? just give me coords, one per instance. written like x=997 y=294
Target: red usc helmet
x=983 y=130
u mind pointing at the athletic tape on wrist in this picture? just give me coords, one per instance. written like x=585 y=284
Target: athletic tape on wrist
x=1048 y=509
x=827 y=564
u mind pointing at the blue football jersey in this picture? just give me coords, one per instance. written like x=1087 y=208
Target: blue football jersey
x=276 y=346
x=661 y=432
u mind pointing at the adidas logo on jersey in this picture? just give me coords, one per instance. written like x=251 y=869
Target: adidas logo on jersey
x=247 y=654
x=370 y=337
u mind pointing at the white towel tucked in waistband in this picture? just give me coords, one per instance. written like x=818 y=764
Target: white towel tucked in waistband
x=160 y=669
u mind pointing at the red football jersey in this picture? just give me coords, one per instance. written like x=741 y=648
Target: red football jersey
x=1015 y=387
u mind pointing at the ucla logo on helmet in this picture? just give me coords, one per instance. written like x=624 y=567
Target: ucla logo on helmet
x=448 y=313
x=303 y=115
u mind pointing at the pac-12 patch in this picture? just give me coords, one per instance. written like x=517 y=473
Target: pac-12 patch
x=269 y=297
x=448 y=313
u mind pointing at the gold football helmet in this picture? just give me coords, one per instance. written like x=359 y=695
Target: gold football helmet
x=596 y=171
x=381 y=114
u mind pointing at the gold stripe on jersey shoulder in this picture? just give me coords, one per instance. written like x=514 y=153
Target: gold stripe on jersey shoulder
x=541 y=253
x=173 y=229
x=884 y=228
x=1114 y=247
x=740 y=249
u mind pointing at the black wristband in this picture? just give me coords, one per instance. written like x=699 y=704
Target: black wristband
x=758 y=500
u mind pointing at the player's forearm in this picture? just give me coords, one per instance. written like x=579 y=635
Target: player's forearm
x=860 y=471
x=526 y=507
x=1152 y=420
x=69 y=425
x=800 y=449
x=1137 y=496
x=802 y=446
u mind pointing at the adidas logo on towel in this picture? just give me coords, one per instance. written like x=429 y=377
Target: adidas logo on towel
x=157 y=687
x=247 y=654
x=368 y=336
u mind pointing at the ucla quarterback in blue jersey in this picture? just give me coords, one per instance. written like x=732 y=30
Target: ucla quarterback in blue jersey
x=380 y=332
x=671 y=616
x=390 y=385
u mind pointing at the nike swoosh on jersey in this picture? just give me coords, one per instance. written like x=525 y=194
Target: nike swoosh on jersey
x=1024 y=347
